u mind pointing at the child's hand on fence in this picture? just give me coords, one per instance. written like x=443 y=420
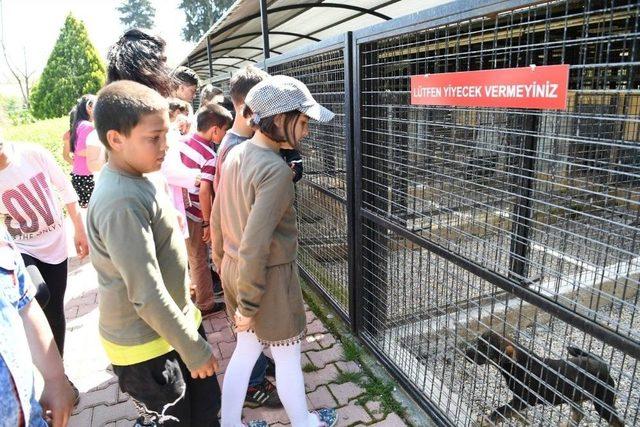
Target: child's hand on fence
x=206 y=370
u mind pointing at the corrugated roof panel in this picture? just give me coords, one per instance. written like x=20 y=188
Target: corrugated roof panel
x=308 y=19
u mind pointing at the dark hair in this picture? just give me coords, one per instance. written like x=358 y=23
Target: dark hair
x=186 y=76
x=267 y=125
x=176 y=104
x=121 y=105
x=139 y=56
x=209 y=92
x=212 y=115
x=243 y=80
x=228 y=105
x=72 y=119
x=80 y=114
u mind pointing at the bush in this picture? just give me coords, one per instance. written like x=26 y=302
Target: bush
x=20 y=117
x=73 y=69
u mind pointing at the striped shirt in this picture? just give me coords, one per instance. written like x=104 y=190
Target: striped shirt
x=198 y=153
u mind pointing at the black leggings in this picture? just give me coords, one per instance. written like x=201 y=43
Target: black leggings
x=50 y=294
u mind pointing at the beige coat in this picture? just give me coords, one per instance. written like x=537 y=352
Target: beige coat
x=253 y=226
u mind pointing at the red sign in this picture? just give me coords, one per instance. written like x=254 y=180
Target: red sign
x=539 y=87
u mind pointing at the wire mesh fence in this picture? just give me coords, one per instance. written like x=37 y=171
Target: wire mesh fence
x=489 y=257
x=321 y=197
x=547 y=201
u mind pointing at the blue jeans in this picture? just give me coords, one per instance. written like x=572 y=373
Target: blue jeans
x=259 y=371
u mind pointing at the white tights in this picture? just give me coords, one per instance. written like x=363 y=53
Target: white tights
x=289 y=380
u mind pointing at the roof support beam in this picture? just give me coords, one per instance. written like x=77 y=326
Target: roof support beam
x=209 y=58
x=274 y=33
x=305 y=6
x=265 y=28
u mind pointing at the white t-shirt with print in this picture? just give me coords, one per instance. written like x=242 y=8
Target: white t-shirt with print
x=29 y=207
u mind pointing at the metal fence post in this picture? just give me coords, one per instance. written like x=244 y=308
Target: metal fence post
x=522 y=211
x=349 y=109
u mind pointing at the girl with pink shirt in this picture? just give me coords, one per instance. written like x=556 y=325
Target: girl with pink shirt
x=81 y=176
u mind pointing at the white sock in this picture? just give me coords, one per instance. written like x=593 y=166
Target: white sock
x=236 y=378
x=290 y=385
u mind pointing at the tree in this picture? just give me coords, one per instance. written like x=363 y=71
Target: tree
x=137 y=14
x=73 y=69
x=201 y=15
x=21 y=75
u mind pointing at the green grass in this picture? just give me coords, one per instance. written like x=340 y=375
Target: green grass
x=310 y=367
x=376 y=389
x=349 y=377
x=47 y=133
x=351 y=350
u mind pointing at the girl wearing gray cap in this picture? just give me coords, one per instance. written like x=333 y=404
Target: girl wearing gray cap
x=255 y=240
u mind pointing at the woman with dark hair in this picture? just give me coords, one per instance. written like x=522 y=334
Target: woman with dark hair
x=255 y=240
x=140 y=56
x=82 y=126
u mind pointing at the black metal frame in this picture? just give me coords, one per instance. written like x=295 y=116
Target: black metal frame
x=360 y=193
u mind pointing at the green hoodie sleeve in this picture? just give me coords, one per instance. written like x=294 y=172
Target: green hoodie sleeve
x=129 y=240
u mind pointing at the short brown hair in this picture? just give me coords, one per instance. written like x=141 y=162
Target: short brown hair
x=243 y=80
x=267 y=125
x=209 y=92
x=122 y=104
x=212 y=115
x=176 y=104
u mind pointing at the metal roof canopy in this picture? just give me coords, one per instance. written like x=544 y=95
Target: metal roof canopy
x=236 y=39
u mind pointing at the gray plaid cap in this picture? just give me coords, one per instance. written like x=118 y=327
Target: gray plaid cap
x=280 y=94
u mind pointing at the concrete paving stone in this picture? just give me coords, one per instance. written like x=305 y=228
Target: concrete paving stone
x=325 y=340
x=349 y=366
x=86 y=309
x=323 y=357
x=304 y=360
x=321 y=398
x=392 y=420
x=324 y=376
x=353 y=414
x=311 y=316
x=223 y=335
x=222 y=365
x=375 y=409
x=104 y=414
x=122 y=396
x=71 y=313
x=345 y=392
x=316 y=327
x=226 y=348
x=270 y=415
x=310 y=344
x=105 y=396
x=81 y=419
x=125 y=423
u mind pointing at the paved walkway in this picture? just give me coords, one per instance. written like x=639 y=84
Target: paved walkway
x=102 y=403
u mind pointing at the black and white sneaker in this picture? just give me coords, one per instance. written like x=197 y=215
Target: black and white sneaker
x=264 y=394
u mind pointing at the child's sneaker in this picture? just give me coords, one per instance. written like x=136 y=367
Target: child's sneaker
x=328 y=417
x=257 y=423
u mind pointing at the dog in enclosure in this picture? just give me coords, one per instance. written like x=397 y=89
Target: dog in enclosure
x=534 y=380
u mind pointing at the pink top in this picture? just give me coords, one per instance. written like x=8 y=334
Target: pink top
x=80 y=162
